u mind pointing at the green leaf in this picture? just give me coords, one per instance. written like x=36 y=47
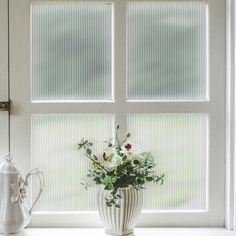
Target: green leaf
x=149 y=178
x=113 y=179
x=117 y=205
x=136 y=162
x=97 y=180
x=88 y=151
x=111 y=156
x=140 y=181
x=109 y=187
x=108 y=204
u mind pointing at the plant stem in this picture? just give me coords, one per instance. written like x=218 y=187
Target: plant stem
x=124 y=141
x=94 y=161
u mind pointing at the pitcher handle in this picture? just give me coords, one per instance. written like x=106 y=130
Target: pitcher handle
x=39 y=174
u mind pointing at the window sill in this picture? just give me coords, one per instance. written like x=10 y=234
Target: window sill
x=138 y=232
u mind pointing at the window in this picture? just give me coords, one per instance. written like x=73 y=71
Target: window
x=156 y=68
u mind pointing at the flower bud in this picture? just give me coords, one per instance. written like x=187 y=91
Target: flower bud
x=117 y=126
x=128 y=135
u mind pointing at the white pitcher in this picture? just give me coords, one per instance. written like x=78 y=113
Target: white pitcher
x=14 y=213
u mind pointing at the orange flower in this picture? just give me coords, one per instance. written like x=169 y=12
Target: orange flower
x=105 y=157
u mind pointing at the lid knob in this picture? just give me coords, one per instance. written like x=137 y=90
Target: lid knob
x=8 y=166
x=8 y=157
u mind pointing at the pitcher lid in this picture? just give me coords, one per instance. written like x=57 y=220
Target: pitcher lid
x=9 y=167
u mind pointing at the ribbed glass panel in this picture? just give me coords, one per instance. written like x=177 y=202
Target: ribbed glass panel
x=3 y=133
x=55 y=151
x=179 y=143
x=167 y=51
x=71 y=51
x=3 y=87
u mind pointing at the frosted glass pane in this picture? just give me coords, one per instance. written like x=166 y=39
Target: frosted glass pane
x=180 y=144
x=3 y=133
x=167 y=51
x=71 y=51
x=55 y=151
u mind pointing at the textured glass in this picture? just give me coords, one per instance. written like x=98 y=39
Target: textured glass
x=179 y=143
x=55 y=151
x=71 y=51
x=3 y=87
x=167 y=51
x=3 y=133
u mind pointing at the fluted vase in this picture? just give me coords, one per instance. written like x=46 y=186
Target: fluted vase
x=120 y=221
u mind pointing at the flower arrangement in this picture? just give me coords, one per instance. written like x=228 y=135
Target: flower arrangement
x=119 y=167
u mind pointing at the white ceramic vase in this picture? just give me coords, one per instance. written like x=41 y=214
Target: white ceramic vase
x=120 y=221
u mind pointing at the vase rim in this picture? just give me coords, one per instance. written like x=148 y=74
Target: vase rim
x=126 y=188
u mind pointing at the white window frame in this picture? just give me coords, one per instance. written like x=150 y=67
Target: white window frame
x=230 y=200
x=4 y=96
x=22 y=108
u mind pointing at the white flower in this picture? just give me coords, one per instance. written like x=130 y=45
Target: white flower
x=109 y=153
x=117 y=160
x=112 y=163
x=126 y=148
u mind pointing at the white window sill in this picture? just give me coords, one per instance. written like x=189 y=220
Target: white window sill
x=138 y=232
